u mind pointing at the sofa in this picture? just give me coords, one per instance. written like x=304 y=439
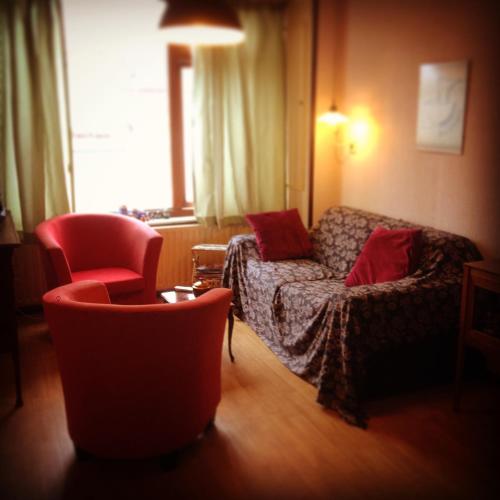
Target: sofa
x=328 y=333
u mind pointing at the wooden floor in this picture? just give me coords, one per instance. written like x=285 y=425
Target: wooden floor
x=271 y=440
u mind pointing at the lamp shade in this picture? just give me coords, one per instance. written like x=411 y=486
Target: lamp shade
x=201 y=22
x=333 y=117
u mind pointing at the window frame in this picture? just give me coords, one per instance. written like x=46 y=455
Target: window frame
x=179 y=57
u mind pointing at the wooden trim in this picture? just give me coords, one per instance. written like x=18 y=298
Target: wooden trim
x=178 y=57
x=67 y=104
x=182 y=211
x=314 y=67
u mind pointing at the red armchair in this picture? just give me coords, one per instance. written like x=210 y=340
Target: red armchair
x=138 y=381
x=119 y=251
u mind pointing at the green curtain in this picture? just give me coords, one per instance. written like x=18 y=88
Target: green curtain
x=34 y=156
x=239 y=122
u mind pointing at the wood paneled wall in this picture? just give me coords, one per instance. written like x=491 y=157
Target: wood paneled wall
x=175 y=267
x=299 y=68
x=29 y=278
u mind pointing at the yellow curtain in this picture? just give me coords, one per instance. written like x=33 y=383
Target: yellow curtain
x=34 y=135
x=239 y=153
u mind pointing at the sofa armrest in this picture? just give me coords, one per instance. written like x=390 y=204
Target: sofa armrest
x=404 y=310
x=240 y=248
x=412 y=284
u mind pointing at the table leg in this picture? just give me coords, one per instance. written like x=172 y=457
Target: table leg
x=458 y=376
x=230 y=319
x=17 y=372
x=466 y=315
x=8 y=320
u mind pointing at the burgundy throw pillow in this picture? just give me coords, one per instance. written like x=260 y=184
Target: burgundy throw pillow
x=388 y=255
x=280 y=235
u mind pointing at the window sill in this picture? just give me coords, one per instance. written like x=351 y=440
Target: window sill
x=172 y=221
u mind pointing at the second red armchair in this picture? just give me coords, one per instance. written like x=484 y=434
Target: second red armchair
x=119 y=251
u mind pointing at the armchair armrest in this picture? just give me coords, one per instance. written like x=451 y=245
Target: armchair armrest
x=54 y=260
x=140 y=244
x=92 y=292
x=143 y=245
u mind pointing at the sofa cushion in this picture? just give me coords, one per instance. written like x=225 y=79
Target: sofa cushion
x=276 y=274
x=388 y=255
x=280 y=235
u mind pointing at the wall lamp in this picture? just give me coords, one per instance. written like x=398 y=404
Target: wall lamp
x=201 y=22
x=358 y=136
x=333 y=117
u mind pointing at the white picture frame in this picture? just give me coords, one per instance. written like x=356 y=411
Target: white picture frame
x=441 y=107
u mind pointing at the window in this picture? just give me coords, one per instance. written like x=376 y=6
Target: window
x=131 y=147
x=181 y=91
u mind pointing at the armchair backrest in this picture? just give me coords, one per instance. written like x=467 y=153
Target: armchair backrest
x=91 y=241
x=137 y=380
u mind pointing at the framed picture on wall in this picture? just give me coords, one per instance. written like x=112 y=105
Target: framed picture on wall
x=441 y=107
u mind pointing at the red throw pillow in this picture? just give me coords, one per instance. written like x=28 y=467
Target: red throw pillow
x=280 y=235
x=388 y=255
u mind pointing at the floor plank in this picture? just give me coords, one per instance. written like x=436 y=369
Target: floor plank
x=271 y=440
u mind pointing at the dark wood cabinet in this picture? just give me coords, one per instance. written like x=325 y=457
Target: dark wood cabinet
x=9 y=241
x=479 y=315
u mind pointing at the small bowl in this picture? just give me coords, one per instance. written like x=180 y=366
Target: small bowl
x=200 y=287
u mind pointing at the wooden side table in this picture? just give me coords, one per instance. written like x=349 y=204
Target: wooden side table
x=9 y=241
x=174 y=296
x=479 y=315
x=214 y=253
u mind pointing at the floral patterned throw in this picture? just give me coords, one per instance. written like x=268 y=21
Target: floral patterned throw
x=325 y=332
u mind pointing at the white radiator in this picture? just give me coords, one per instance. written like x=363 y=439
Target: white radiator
x=175 y=267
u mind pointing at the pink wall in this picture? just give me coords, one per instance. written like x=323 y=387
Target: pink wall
x=326 y=179
x=372 y=63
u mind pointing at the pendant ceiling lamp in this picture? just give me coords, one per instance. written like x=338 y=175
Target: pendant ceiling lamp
x=201 y=22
